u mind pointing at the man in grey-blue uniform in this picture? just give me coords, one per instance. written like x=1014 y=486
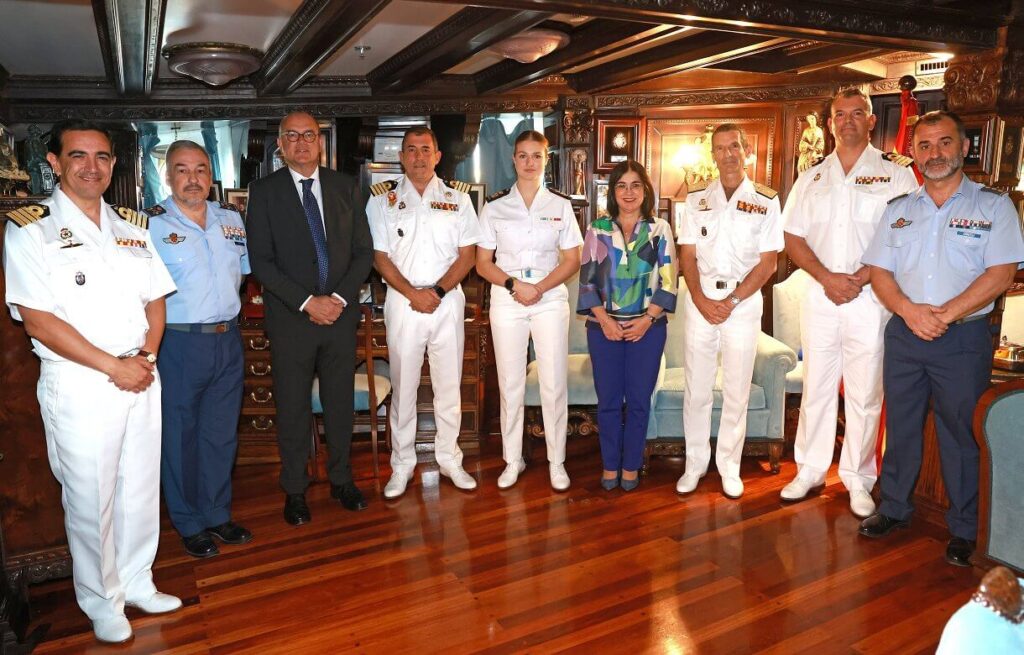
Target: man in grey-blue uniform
x=941 y=256
x=203 y=245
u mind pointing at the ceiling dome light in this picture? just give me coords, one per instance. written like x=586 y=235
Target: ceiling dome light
x=530 y=45
x=215 y=64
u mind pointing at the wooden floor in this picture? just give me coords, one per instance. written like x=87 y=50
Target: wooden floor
x=529 y=570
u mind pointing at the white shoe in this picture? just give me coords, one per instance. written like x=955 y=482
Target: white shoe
x=158 y=603
x=688 y=482
x=112 y=631
x=798 y=489
x=559 y=478
x=459 y=477
x=732 y=487
x=861 y=503
x=396 y=485
x=511 y=473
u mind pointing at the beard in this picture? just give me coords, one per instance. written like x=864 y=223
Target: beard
x=941 y=168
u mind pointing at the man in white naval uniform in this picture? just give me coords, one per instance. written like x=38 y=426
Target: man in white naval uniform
x=424 y=232
x=830 y=217
x=86 y=281
x=730 y=236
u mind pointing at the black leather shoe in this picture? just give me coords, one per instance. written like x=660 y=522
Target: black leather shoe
x=200 y=545
x=879 y=525
x=349 y=495
x=958 y=551
x=296 y=511
x=230 y=533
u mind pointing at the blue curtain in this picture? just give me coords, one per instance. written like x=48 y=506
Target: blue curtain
x=496 y=148
x=239 y=150
x=148 y=140
x=209 y=133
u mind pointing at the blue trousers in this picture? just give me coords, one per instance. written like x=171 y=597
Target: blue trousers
x=202 y=397
x=624 y=372
x=952 y=371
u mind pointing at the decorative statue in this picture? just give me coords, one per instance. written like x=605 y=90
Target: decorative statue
x=10 y=172
x=579 y=159
x=41 y=182
x=812 y=144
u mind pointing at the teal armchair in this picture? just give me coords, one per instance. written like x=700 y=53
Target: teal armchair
x=998 y=421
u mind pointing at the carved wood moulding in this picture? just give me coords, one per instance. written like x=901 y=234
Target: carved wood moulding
x=578 y=126
x=716 y=97
x=40 y=566
x=972 y=82
x=892 y=84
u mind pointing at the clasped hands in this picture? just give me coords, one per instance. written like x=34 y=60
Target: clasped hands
x=324 y=310
x=133 y=374
x=526 y=294
x=714 y=312
x=631 y=330
x=928 y=322
x=841 y=288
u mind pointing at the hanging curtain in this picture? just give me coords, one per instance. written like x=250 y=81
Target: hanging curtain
x=151 y=188
x=209 y=133
x=239 y=150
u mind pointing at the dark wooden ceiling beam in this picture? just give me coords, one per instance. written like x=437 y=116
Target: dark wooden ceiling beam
x=900 y=24
x=589 y=41
x=453 y=41
x=314 y=33
x=811 y=58
x=130 y=34
x=697 y=51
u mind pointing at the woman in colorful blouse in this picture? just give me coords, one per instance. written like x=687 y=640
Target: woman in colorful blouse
x=627 y=284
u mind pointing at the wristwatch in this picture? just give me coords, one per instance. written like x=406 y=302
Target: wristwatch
x=652 y=318
x=439 y=290
x=734 y=299
x=150 y=357
x=510 y=284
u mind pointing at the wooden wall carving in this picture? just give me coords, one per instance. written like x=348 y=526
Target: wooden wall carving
x=973 y=82
x=721 y=97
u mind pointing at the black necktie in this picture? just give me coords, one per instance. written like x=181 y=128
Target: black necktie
x=316 y=227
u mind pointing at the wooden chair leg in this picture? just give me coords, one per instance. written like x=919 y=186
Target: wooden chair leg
x=775 y=454
x=373 y=443
x=317 y=466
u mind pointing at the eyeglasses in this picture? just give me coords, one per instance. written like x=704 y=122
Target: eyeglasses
x=308 y=136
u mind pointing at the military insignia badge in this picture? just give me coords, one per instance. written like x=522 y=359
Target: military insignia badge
x=130 y=243
x=235 y=234
x=751 y=208
x=65 y=234
x=447 y=195
x=79 y=278
x=444 y=206
x=817 y=176
x=703 y=203
x=703 y=231
x=174 y=238
x=392 y=198
x=401 y=205
x=900 y=223
x=871 y=179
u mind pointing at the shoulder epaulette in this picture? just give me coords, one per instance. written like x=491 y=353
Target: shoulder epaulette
x=155 y=210
x=697 y=186
x=902 y=195
x=816 y=162
x=559 y=193
x=458 y=185
x=998 y=192
x=765 y=191
x=129 y=215
x=229 y=206
x=500 y=194
x=380 y=188
x=897 y=158
x=28 y=214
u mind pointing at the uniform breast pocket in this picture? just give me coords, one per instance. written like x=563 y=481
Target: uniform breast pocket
x=868 y=206
x=71 y=279
x=965 y=249
x=400 y=228
x=549 y=233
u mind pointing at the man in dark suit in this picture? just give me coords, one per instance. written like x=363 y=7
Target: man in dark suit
x=309 y=244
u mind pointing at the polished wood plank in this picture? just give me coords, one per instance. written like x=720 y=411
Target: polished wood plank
x=530 y=570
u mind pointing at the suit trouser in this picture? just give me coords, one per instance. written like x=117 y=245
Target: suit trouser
x=736 y=339
x=104 y=449
x=840 y=342
x=442 y=335
x=512 y=325
x=202 y=378
x=302 y=349
x=953 y=370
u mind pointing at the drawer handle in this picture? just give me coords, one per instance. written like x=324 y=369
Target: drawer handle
x=259 y=368
x=262 y=423
x=261 y=395
x=259 y=343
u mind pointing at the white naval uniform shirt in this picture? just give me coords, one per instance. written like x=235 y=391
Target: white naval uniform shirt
x=422 y=235
x=730 y=235
x=529 y=239
x=838 y=214
x=100 y=286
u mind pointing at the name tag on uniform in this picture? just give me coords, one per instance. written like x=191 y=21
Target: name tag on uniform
x=970 y=224
x=751 y=208
x=551 y=219
x=130 y=243
x=872 y=179
x=235 y=234
x=444 y=206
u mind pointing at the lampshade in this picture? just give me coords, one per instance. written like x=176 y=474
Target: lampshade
x=215 y=64
x=530 y=45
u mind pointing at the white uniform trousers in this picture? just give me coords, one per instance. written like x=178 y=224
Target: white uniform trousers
x=442 y=335
x=512 y=325
x=104 y=449
x=840 y=342
x=736 y=339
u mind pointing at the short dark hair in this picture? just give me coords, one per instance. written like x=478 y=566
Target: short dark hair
x=420 y=130
x=56 y=144
x=530 y=135
x=851 y=92
x=933 y=117
x=647 y=206
x=731 y=127
x=184 y=144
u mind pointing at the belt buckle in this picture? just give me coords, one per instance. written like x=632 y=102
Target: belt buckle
x=528 y=273
x=720 y=284
x=221 y=328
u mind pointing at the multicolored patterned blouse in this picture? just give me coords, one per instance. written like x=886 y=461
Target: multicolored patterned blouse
x=626 y=278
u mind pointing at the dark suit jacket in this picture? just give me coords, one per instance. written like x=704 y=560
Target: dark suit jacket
x=281 y=250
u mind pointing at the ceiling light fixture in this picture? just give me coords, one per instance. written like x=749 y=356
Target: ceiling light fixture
x=361 y=50
x=215 y=64
x=530 y=45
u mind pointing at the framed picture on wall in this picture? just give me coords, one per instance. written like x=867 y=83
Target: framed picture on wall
x=382 y=172
x=1010 y=153
x=600 y=199
x=618 y=139
x=216 y=191
x=979 y=155
x=478 y=192
x=237 y=197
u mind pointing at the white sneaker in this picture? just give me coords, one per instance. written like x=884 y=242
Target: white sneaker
x=158 y=603
x=511 y=473
x=458 y=476
x=732 y=487
x=112 y=631
x=861 y=503
x=797 y=489
x=688 y=482
x=396 y=485
x=559 y=478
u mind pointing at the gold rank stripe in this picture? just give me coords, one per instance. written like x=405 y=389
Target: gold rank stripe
x=872 y=179
x=444 y=206
x=458 y=185
x=751 y=208
x=28 y=214
x=130 y=243
x=381 y=188
x=137 y=219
